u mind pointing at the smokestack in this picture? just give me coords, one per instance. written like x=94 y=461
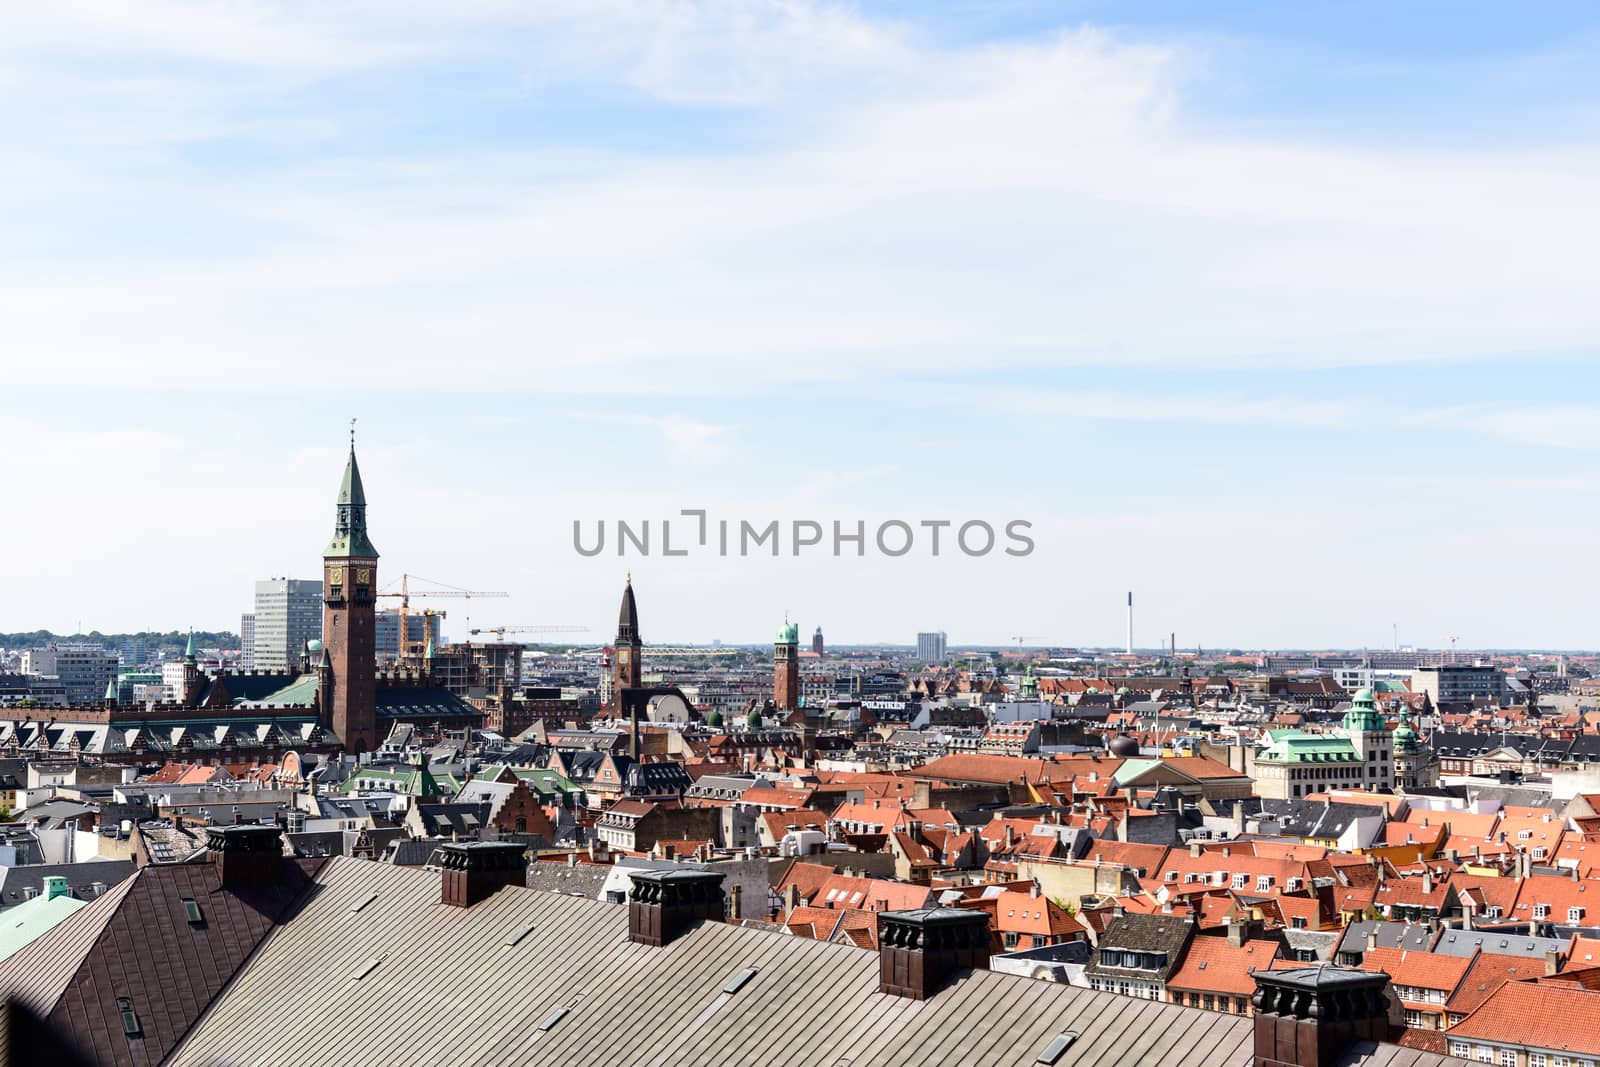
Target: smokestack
x=1130 y=622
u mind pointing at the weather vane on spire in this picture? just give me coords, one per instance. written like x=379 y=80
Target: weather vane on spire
x=352 y=433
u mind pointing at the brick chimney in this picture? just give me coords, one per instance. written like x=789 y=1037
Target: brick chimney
x=245 y=854
x=1312 y=1016
x=662 y=905
x=475 y=869
x=922 y=950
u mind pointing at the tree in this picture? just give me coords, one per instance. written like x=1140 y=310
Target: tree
x=714 y=720
x=753 y=720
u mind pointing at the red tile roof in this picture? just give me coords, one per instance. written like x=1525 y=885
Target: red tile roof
x=1213 y=966
x=1555 y=1016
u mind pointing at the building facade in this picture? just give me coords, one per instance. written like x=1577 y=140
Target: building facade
x=1457 y=683
x=931 y=647
x=247 y=642
x=288 y=614
x=424 y=628
x=83 y=669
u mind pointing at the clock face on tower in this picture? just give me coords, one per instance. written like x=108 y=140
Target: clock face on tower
x=336 y=576
x=364 y=575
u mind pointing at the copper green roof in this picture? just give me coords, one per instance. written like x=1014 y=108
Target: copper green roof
x=350 y=524
x=1293 y=746
x=788 y=634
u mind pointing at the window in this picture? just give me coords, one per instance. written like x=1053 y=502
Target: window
x=1574 y=914
x=1536 y=1059
x=1541 y=910
x=1523 y=835
x=1011 y=941
x=1417 y=1020
x=1240 y=1005
x=1539 y=853
x=191 y=911
x=1485 y=1054
x=1508 y=1057
x=130 y=1018
x=1239 y=880
x=1460 y=1050
x=1297 y=922
x=1208 y=1002
x=1263 y=883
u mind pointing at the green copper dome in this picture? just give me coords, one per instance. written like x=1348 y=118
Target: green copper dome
x=1363 y=716
x=313 y=645
x=788 y=634
x=1405 y=738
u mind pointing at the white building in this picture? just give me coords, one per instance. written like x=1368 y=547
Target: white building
x=931 y=647
x=288 y=614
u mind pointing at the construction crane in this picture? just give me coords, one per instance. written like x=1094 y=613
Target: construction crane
x=405 y=594
x=501 y=631
x=1019 y=638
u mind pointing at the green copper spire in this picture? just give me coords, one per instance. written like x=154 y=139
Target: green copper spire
x=350 y=539
x=188 y=653
x=111 y=690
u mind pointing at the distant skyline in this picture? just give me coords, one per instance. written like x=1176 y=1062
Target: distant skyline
x=1284 y=318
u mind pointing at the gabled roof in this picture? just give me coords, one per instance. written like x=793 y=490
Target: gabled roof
x=139 y=944
x=1212 y=965
x=808 y=1004
x=1555 y=1016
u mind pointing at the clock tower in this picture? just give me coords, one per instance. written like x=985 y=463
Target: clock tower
x=628 y=665
x=349 y=619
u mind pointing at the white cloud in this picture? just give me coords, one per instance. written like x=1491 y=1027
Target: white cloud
x=911 y=206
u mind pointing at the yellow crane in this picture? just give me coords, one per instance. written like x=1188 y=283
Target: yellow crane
x=405 y=593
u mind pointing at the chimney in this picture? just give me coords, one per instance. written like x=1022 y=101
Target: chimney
x=1372 y=938
x=1311 y=1016
x=1196 y=849
x=1427 y=883
x=923 y=950
x=662 y=905
x=475 y=869
x=245 y=854
x=1238 y=817
x=1552 y=962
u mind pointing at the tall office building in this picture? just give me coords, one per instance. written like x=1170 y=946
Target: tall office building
x=288 y=614
x=83 y=669
x=247 y=642
x=930 y=647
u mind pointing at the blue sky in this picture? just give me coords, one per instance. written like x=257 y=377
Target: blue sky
x=1282 y=315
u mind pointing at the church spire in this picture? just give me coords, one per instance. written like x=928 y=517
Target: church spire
x=628 y=617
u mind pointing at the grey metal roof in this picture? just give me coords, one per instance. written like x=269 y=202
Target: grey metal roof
x=1467 y=942
x=82 y=878
x=412 y=977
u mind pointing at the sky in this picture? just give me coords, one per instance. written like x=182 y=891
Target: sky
x=1282 y=316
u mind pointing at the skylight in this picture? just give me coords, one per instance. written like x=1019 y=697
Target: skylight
x=1059 y=1045
x=191 y=910
x=737 y=982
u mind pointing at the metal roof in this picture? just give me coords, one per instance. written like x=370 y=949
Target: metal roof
x=527 y=977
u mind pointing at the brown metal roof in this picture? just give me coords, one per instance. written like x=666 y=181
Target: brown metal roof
x=407 y=980
x=137 y=942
